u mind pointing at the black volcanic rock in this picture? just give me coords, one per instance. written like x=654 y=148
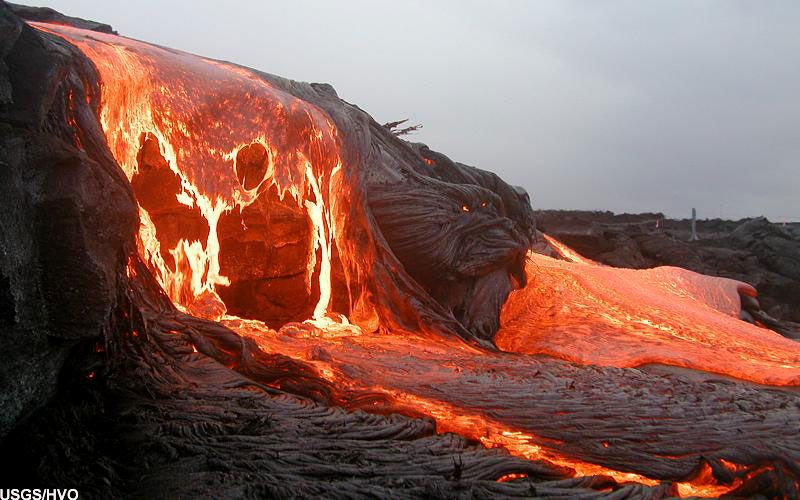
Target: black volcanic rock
x=778 y=249
x=67 y=218
x=48 y=15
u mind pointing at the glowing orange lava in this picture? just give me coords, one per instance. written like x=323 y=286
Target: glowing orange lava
x=202 y=113
x=448 y=381
x=593 y=314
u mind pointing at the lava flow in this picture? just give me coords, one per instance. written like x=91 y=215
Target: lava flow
x=227 y=136
x=242 y=197
x=588 y=313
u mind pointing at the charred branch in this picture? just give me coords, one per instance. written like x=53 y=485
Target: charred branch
x=393 y=128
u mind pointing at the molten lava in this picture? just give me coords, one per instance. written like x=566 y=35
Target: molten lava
x=233 y=144
x=203 y=113
x=588 y=313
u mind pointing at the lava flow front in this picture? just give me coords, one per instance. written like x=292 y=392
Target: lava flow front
x=244 y=201
x=588 y=313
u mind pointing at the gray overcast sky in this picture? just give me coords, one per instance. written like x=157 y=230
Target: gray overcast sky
x=619 y=105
